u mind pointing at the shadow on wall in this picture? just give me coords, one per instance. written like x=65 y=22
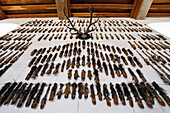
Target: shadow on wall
x=7 y=27
x=162 y=27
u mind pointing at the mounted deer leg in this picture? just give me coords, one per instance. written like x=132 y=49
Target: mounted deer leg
x=85 y=35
